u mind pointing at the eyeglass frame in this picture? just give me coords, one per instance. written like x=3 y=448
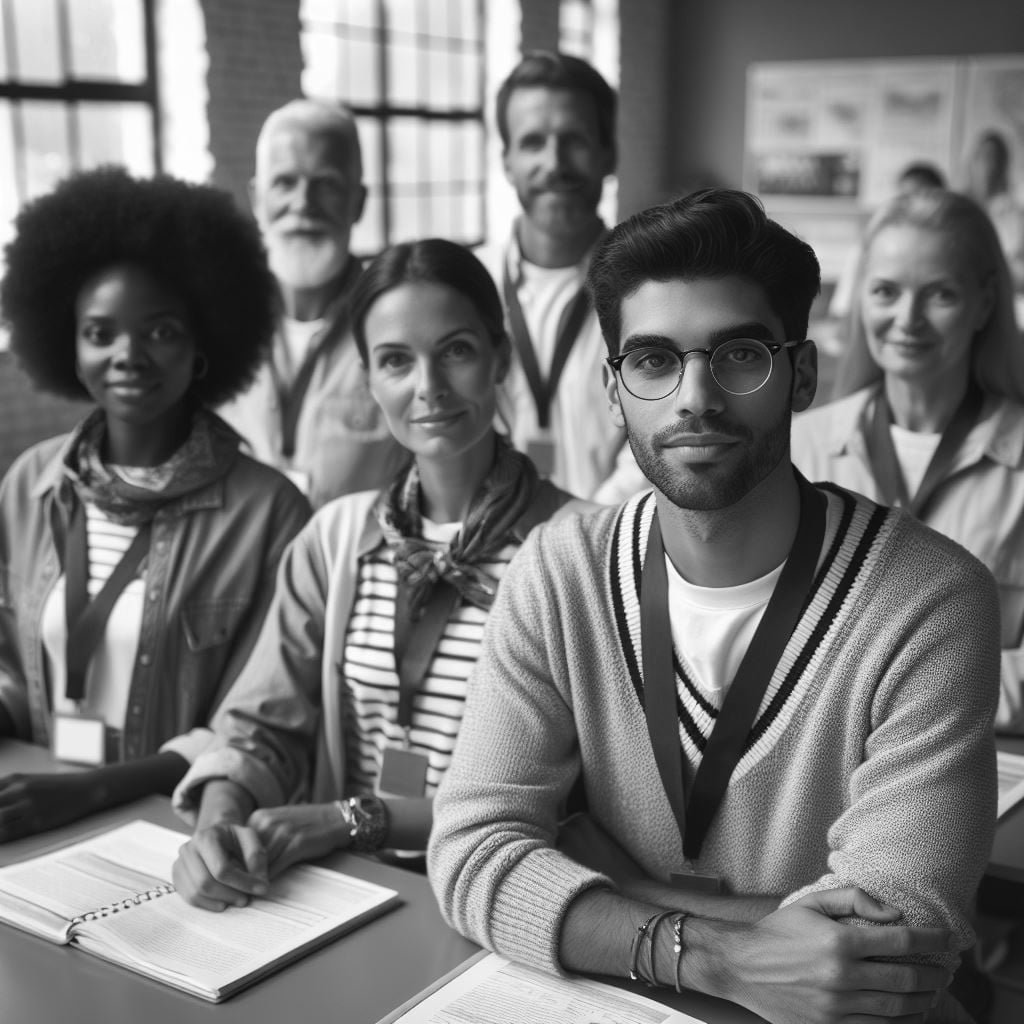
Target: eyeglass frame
x=774 y=348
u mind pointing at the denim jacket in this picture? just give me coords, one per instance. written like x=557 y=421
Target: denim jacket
x=209 y=580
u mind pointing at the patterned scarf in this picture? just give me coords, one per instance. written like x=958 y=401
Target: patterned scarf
x=207 y=454
x=505 y=494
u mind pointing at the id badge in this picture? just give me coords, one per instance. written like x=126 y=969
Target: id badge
x=402 y=773
x=79 y=739
x=541 y=451
x=691 y=880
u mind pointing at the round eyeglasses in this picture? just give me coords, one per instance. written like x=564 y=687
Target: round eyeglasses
x=739 y=366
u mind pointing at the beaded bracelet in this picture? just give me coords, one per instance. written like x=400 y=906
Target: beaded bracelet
x=677 y=946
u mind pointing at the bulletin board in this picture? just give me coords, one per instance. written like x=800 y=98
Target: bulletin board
x=826 y=140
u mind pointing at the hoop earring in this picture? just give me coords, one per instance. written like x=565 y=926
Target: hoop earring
x=201 y=367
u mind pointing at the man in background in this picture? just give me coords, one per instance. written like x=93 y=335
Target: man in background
x=309 y=412
x=556 y=117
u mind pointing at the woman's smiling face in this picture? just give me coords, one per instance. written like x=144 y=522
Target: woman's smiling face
x=922 y=303
x=433 y=368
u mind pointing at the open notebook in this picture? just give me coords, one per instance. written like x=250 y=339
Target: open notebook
x=111 y=896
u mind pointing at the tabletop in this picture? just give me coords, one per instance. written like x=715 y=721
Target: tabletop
x=359 y=978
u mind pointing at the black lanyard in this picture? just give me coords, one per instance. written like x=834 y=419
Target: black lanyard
x=416 y=641
x=86 y=621
x=725 y=745
x=569 y=326
x=885 y=466
x=291 y=399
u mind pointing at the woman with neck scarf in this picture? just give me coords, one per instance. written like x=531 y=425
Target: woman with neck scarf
x=137 y=554
x=930 y=409
x=355 y=691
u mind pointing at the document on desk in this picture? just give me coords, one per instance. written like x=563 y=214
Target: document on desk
x=1010 y=768
x=494 y=990
x=112 y=896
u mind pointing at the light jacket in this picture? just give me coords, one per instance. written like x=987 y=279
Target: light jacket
x=980 y=504
x=286 y=707
x=342 y=441
x=209 y=579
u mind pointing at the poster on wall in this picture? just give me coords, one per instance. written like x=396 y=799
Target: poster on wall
x=826 y=141
x=843 y=130
x=994 y=103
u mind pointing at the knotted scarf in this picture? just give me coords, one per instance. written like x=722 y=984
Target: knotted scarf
x=207 y=454
x=504 y=496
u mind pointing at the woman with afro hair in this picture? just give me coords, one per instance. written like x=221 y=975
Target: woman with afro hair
x=138 y=552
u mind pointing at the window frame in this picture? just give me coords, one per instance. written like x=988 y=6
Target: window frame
x=385 y=112
x=75 y=90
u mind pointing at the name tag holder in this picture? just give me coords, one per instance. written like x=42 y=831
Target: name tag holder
x=79 y=739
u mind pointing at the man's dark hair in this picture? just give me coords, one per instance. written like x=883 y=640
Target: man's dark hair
x=923 y=175
x=552 y=70
x=192 y=239
x=712 y=233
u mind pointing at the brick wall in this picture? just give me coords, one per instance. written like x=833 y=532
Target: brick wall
x=255 y=66
x=27 y=415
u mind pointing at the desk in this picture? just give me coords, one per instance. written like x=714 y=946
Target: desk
x=358 y=979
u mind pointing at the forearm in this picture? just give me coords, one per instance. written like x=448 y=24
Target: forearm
x=120 y=783
x=599 y=934
x=224 y=802
x=744 y=909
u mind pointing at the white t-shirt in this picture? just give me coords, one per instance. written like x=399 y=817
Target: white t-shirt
x=545 y=293
x=712 y=627
x=298 y=340
x=914 y=450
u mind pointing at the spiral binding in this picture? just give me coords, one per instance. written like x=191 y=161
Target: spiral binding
x=125 y=904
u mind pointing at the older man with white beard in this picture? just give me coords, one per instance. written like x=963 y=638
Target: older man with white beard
x=309 y=411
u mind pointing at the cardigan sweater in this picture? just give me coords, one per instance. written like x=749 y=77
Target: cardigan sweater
x=871 y=761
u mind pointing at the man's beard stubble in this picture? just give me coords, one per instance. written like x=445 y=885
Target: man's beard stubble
x=707 y=487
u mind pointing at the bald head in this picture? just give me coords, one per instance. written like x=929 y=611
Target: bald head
x=307 y=195
x=333 y=121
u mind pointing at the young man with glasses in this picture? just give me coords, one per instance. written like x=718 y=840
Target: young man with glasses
x=778 y=697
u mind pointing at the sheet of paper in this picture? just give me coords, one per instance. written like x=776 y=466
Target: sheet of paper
x=1011 y=779
x=495 y=991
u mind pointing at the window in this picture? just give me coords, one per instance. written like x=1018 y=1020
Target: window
x=576 y=28
x=413 y=73
x=77 y=89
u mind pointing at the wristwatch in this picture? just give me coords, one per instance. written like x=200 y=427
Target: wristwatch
x=366 y=819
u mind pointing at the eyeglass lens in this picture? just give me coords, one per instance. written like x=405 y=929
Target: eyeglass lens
x=739 y=366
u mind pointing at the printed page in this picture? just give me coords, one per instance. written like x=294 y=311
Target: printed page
x=56 y=887
x=495 y=990
x=212 y=955
x=1011 y=779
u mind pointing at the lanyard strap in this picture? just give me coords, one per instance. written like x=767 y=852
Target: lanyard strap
x=569 y=326
x=291 y=399
x=725 y=745
x=416 y=641
x=86 y=621
x=885 y=465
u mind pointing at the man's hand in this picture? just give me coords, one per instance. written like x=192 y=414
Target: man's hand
x=222 y=865
x=800 y=966
x=34 y=803
x=298 y=832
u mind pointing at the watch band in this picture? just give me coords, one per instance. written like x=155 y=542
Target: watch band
x=366 y=818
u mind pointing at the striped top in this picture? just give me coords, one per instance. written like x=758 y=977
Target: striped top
x=370 y=679
x=110 y=671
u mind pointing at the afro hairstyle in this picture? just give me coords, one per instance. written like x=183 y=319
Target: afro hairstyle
x=190 y=238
